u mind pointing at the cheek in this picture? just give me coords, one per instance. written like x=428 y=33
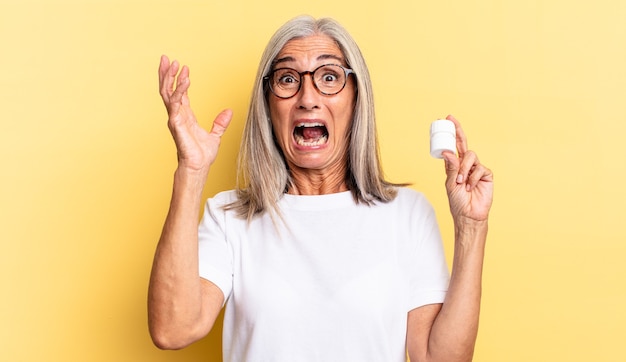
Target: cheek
x=277 y=131
x=347 y=103
x=277 y=119
x=344 y=117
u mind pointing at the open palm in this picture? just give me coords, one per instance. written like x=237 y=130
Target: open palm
x=196 y=148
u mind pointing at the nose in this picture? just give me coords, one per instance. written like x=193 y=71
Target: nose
x=308 y=96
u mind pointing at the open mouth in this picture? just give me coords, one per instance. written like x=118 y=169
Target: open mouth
x=310 y=134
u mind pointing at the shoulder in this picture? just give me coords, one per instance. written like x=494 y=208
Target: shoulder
x=412 y=205
x=408 y=197
x=217 y=206
x=223 y=198
x=218 y=209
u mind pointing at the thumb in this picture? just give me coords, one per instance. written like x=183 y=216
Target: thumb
x=452 y=165
x=221 y=122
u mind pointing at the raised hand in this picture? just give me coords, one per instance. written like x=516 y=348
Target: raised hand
x=196 y=148
x=469 y=183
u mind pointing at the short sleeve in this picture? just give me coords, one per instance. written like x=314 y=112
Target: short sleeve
x=429 y=277
x=214 y=252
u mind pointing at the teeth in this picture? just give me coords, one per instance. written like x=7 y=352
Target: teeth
x=309 y=143
x=317 y=142
x=311 y=124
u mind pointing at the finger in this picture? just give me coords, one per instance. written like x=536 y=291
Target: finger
x=468 y=163
x=478 y=174
x=167 y=88
x=452 y=165
x=182 y=85
x=461 y=139
x=184 y=82
x=164 y=66
x=221 y=122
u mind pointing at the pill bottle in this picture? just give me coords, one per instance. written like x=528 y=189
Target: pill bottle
x=442 y=137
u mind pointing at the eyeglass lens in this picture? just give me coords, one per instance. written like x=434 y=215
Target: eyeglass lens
x=329 y=79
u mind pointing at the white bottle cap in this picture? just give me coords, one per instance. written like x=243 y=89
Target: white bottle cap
x=442 y=137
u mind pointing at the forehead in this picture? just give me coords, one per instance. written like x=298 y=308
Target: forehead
x=310 y=49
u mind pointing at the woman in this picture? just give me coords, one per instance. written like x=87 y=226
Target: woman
x=315 y=255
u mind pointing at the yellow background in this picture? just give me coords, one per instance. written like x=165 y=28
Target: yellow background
x=87 y=160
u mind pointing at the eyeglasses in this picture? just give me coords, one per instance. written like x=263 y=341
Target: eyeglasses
x=328 y=79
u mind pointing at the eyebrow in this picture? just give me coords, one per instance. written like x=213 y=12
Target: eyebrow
x=321 y=57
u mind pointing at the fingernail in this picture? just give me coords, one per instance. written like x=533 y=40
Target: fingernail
x=459 y=179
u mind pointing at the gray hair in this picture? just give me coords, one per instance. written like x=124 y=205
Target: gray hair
x=263 y=176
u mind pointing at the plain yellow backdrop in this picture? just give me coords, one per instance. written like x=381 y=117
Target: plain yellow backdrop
x=87 y=160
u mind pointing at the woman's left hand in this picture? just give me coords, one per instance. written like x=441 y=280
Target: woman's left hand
x=469 y=183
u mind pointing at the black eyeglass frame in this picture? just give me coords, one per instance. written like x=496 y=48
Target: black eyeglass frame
x=347 y=72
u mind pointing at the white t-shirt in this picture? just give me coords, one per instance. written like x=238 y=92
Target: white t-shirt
x=334 y=282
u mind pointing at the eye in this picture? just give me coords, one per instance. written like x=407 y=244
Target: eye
x=330 y=78
x=286 y=77
x=329 y=74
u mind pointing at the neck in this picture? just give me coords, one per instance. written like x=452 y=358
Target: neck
x=315 y=182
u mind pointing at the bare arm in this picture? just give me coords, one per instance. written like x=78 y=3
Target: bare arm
x=448 y=332
x=182 y=307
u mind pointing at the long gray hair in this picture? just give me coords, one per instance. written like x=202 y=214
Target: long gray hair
x=263 y=176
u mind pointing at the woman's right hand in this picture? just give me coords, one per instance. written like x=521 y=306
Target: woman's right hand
x=196 y=148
